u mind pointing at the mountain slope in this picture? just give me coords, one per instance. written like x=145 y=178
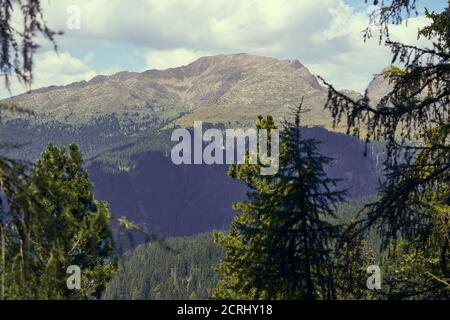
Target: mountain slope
x=174 y=200
x=226 y=89
x=185 y=267
x=123 y=124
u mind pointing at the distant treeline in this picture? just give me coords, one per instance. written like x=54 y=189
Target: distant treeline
x=184 y=267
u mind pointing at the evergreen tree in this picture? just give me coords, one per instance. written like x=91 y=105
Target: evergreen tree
x=154 y=272
x=149 y=269
x=353 y=255
x=410 y=273
x=18 y=43
x=413 y=118
x=279 y=246
x=54 y=222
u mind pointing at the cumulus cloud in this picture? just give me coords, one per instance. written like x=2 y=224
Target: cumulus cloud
x=64 y=64
x=164 y=59
x=325 y=35
x=53 y=68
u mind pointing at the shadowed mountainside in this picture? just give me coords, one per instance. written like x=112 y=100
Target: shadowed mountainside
x=187 y=199
x=123 y=124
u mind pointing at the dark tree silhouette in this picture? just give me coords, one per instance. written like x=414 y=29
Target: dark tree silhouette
x=280 y=244
x=413 y=119
x=19 y=45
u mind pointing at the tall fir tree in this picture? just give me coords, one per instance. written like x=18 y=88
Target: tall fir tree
x=279 y=245
x=18 y=42
x=413 y=120
x=353 y=254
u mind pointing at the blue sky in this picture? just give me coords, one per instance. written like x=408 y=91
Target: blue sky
x=113 y=35
x=430 y=4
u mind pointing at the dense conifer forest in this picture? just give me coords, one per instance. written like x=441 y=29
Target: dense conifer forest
x=298 y=233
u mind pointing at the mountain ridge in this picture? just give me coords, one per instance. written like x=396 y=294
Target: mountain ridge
x=220 y=88
x=121 y=124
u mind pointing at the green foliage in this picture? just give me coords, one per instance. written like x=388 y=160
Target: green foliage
x=411 y=273
x=53 y=222
x=182 y=269
x=148 y=271
x=353 y=255
x=418 y=268
x=413 y=118
x=280 y=244
x=18 y=41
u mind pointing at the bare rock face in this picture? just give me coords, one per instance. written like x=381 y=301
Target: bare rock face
x=231 y=89
x=378 y=88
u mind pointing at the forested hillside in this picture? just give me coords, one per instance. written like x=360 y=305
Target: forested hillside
x=185 y=267
x=179 y=200
x=357 y=208
x=177 y=268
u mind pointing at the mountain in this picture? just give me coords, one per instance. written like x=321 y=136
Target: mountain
x=130 y=109
x=378 y=87
x=123 y=124
x=176 y=200
x=230 y=88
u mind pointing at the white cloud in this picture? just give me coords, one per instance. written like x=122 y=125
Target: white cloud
x=56 y=69
x=63 y=63
x=348 y=61
x=325 y=35
x=164 y=59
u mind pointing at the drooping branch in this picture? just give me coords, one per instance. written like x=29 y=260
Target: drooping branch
x=18 y=45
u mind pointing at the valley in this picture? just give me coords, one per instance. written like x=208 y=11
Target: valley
x=123 y=125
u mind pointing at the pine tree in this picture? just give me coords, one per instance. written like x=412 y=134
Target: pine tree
x=353 y=255
x=413 y=120
x=410 y=273
x=279 y=246
x=54 y=222
x=18 y=44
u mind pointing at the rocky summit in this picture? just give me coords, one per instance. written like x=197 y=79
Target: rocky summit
x=230 y=89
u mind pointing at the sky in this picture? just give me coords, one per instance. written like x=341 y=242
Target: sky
x=108 y=36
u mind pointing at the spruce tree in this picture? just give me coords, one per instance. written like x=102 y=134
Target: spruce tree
x=353 y=255
x=413 y=120
x=279 y=245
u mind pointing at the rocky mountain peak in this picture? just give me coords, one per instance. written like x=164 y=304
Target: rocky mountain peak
x=226 y=88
